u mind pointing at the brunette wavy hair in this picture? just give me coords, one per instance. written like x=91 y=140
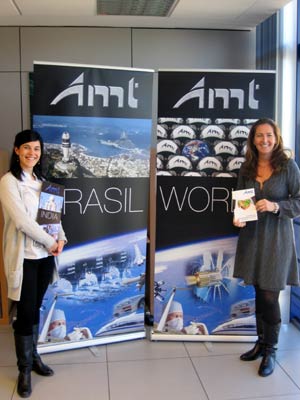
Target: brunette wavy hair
x=279 y=156
x=22 y=137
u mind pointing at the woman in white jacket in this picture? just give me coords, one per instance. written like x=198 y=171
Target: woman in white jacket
x=29 y=252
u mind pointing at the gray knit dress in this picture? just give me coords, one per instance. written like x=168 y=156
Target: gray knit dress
x=266 y=254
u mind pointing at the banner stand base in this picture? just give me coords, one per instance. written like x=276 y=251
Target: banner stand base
x=62 y=346
x=155 y=336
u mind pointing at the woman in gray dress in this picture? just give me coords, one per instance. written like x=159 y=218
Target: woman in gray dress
x=266 y=254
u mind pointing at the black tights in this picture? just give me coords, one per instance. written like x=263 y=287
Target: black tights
x=267 y=304
x=37 y=275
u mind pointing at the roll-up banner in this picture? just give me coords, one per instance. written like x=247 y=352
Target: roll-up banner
x=96 y=123
x=204 y=118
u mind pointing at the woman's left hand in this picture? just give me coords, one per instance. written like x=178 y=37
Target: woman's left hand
x=59 y=249
x=60 y=246
x=264 y=206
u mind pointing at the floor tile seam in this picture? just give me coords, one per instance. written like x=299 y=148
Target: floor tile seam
x=216 y=355
x=210 y=354
x=260 y=397
x=148 y=359
x=274 y=396
x=14 y=390
x=76 y=363
x=288 y=375
x=199 y=379
x=107 y=373
x=279 y=350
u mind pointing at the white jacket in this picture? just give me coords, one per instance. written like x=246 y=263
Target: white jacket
x=18 y=224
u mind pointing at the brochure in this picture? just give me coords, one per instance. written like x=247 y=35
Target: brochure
x=244 y=209
x=50 y=207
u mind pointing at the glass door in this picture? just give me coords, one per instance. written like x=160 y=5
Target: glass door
x=295 y=292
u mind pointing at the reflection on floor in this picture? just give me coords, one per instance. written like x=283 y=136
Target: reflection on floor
x=144 y=369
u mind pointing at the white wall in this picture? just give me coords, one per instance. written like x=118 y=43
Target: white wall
x=139 y=48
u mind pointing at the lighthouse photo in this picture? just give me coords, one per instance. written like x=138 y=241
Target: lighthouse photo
x=65 y=144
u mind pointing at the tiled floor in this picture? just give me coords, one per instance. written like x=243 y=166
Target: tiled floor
x=146 y=370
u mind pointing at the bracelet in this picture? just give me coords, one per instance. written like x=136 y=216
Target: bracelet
x=276 y=208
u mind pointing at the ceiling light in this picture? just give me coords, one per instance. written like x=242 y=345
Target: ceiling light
x=149 y=8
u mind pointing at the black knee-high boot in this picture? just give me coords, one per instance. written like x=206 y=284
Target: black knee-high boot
x=24 y=361
x=257 y=350
x=37 y=364
x=271 y=333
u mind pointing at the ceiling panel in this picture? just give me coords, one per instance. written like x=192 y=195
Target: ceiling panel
x=188 y=14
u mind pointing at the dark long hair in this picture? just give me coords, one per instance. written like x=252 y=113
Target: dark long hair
x=22 y=137
x=279 y=155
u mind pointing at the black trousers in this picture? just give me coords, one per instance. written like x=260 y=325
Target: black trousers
x=37 y=275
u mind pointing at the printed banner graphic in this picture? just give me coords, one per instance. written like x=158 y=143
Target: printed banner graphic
x=204 y=118
x=96 y=123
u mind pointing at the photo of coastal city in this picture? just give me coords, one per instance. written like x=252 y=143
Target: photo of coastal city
x=93 y=147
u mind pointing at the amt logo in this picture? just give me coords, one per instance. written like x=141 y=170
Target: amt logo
x=106 y=92
x=200 y=92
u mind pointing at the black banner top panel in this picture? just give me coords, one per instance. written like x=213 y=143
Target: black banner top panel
x=203 y=94
x=112 y=207
x=92 y=92
x=191 y=209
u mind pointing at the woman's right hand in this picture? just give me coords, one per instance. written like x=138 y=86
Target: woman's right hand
x=238 y=223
